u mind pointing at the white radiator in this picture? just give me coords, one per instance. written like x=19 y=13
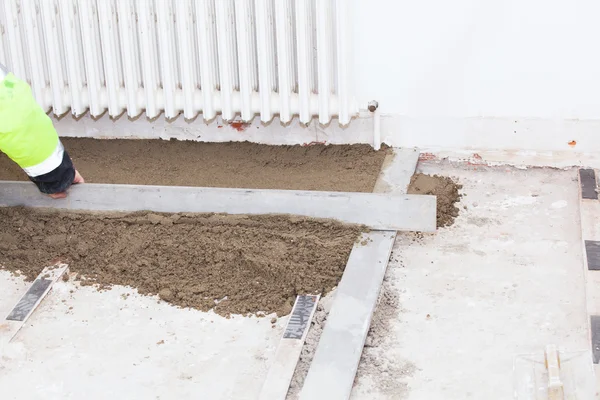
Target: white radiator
x=230 y=57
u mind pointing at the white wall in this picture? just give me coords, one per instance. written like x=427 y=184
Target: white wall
x=438 y=63
x=518 y=75
x=472 y=58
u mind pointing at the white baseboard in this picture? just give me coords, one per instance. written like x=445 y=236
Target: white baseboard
x=217 y=131
x=516 y=141
x=516 y=158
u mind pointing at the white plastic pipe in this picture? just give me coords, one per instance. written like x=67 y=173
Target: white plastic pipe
x=73 y=56
x=265 y=50
x=285 y=56
x=149 y=56
x=347 y=107
x=127 y=31
x=185 y=38
x=35 y=49
x=207 y=48
x=92 y=54
x=225 y=16
x=245 y=36
x=55 y=64
x=167 y=57
x=107 y=14
x=324 y=48
x=15 y=43
x=303 y=48
x=376 y=130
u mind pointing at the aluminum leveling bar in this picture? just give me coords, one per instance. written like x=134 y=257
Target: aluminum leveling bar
x=376 y=211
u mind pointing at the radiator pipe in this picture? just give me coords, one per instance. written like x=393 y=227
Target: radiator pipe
x=374 y=108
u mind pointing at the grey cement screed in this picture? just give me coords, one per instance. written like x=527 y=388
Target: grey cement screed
x=595 y=328
x=377 y=211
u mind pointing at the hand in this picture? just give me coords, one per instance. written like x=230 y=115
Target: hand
x=78 y=179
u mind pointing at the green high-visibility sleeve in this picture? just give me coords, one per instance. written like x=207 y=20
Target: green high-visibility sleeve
x=27 y=135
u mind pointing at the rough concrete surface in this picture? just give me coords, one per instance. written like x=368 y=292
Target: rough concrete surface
x=246 y=264
x=391 y=373
x=85 y=344
x=505 y=279
x=346 y=168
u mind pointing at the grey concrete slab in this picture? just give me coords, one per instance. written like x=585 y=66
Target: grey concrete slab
x=595 y=328
x=377 y=211
x=334 y=365
x=505 y=279
x=398 y=168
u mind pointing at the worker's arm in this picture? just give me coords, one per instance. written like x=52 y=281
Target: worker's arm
x=28 y=137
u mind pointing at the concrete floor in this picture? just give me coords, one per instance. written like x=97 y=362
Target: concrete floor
x=85 y=344
x=506 y=279
x=457 y=307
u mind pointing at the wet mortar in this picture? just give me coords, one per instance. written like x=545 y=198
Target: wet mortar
x=353 y=168
x=162 y=254
x=446 y=191
x=246 y=264
x=348 y=168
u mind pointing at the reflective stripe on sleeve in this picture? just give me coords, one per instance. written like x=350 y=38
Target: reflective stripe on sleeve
x=49 y=164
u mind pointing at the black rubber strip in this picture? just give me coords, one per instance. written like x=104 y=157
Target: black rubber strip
x=299 y=320
x=27 y=302
x=592 y=252
x=588 y=184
